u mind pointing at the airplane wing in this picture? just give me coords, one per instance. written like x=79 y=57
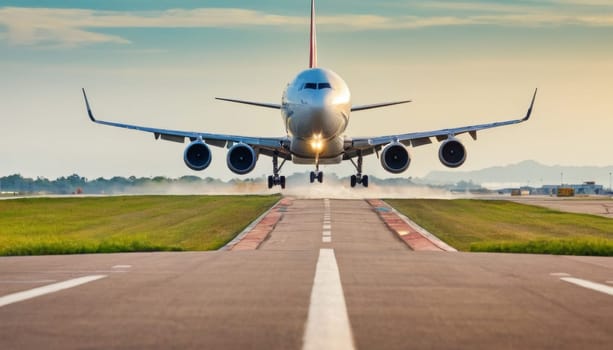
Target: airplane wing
x=259 y=104
x=265 y=145
x=368 y=145
x=377 y=105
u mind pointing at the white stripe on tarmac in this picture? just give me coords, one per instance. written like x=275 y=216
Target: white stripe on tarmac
x=25 y=281
x=327 y=325
x=602 y=288
x=52 y=288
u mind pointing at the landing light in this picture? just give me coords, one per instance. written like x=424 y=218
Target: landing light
x=317 y=144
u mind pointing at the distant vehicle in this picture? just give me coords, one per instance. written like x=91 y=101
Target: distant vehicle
x=315 y=108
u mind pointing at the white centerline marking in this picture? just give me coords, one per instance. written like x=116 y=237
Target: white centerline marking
x=52 y=288
x=327 y=325
x=602 y=288
x=326 y=239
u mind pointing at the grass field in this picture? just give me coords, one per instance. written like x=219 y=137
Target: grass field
x=503 y=226
x=35 y=226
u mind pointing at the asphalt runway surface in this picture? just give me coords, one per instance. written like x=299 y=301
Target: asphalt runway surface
x=329 y=276
x=595 y=206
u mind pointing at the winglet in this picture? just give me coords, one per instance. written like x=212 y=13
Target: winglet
x=531 y=105
x=89 y=111
x=313 y=41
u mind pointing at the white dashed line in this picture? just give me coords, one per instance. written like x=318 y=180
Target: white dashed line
x=52 y=288
x=602 y=288
x=327 y=325
x=327 y=224
x=559 y=274
x=122 y=266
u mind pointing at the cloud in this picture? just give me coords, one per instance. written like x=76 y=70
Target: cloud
x=604 y=3
x=76 y=27
x=478 y=6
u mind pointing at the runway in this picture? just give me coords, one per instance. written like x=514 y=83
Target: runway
x=326 y=262
x=601 y=206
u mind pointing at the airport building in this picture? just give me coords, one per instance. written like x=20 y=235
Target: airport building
x=585 y=189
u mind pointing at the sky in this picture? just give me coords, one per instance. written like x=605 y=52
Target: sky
x=161 y=63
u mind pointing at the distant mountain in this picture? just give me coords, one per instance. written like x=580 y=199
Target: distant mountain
x=524 y=173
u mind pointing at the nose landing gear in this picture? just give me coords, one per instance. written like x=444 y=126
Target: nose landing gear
x=317 y=175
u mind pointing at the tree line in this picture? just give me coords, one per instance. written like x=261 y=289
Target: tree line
x=75 y=184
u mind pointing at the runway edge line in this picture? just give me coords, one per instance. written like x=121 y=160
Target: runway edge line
x=252 y=236
x=413 y=235
x=48 y=289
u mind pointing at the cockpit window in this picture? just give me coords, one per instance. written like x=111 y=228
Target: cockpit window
x=316 y=86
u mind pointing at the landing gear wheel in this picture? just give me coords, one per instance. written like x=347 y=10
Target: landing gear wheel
x=320 y=177
x=313 y=176
x=358 y=178
x=275 y=179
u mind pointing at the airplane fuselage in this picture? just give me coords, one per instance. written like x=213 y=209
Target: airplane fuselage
x=315 y=109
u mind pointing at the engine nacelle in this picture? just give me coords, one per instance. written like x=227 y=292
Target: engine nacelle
x=395 y=158
x=197 y=155
x=241 y=159
x=452 y=153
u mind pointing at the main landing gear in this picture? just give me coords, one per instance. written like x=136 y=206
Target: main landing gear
x=359 y=178
x=275 y=179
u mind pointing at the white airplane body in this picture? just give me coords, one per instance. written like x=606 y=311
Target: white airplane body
x=315 y=108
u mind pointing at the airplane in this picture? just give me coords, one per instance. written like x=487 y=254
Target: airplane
x=315 y=108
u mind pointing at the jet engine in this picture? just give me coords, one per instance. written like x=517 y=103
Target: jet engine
x=452 y=153
x=395 y=158
x=241 y=159
x=197 y=155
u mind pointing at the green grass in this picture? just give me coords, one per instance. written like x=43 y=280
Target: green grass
x=504 y=226
x=36 y=226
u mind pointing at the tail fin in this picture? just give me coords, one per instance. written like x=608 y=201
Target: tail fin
x=313 y=43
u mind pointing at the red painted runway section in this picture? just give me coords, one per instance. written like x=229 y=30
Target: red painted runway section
x=407 y=233
x=255 y=237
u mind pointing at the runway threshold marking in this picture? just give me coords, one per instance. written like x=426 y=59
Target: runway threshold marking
x=51 y=288
x=602 y=288
x=327 y=325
